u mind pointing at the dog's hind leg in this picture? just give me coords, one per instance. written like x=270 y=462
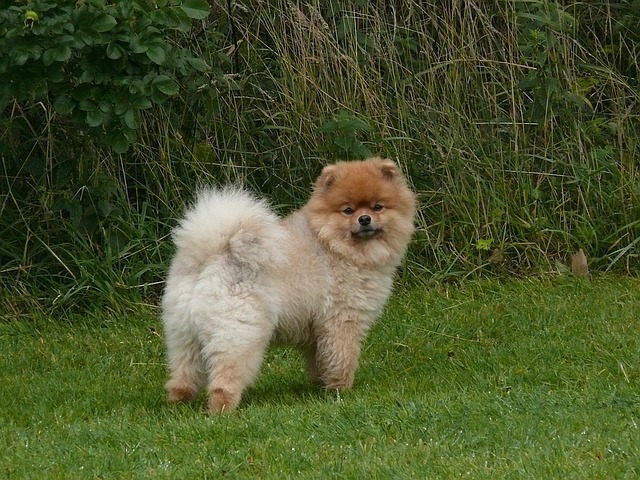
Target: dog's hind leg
x=183 y=347
x=185 y=366
x=233 y=360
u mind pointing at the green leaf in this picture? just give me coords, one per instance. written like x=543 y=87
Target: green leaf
x=87 y=105
x=484 y=244
x=355 y=124
x=346 y=143
x=358 y=150
x=19 y=56
x=47 y=58
x=137 y=45
x=198 y=64
x=328 y=127
x=530 y=81
x=121 y=104
x=179 y=19
x=196 y=9
x=6 y=97
x=64 y=104
x=90 y=37
x=130 y=118
x=104 y=23
x=141 y=103
x=95 y=118
x=113 y=51
x=166 y=85
x=62 y=53
x=159 y=16
x=156 y=54
x=118 y=141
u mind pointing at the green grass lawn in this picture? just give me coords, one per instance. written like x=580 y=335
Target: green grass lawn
x=527 y=379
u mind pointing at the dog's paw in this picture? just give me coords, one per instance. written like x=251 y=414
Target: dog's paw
x=180 y=394
x=221 y=401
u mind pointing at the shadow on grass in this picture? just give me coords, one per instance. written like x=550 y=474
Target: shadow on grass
x=282 y=392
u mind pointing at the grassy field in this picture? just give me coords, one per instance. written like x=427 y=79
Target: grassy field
x=523 y=379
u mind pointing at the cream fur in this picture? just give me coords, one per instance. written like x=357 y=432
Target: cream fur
x=242 y=278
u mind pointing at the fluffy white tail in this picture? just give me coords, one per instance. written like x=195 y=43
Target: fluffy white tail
x=229 y=221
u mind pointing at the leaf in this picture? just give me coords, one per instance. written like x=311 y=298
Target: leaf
x=179 y=19
x=62 y=53
x=87 y=104
x=358 y=150
x=156 y=54
x=104 y=23
x=484 y=244
x=19 y=55
x=166 y=85
x=95 y=118
x=328 y=127
x=47 y=57
x=6 y=96
x=159 y=17
x=118 y=141
x=136 y=44
x=130 y=119
x=345 y=142
x=345 y=122
x=579 y=265
x=529 y=81
x=198 y=64
x=64 y=104
x=141 y=102
x=113 y=51
x=196 y=9
x=90 y=36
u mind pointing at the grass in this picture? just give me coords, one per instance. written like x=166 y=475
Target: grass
x=524 y=379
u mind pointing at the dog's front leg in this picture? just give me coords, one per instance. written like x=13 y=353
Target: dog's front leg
x=338 y=349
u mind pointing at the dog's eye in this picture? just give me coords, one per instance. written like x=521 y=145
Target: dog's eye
x=377 y=207
x=348 y=211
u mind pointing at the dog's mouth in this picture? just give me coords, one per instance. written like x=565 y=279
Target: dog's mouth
x=366 y=232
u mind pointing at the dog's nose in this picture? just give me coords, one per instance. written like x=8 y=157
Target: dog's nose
x=364 y=220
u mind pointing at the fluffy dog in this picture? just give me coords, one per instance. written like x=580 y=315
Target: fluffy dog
x=242 y=277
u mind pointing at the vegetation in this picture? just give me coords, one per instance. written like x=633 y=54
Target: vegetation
x=529 y=379
x=516 y=120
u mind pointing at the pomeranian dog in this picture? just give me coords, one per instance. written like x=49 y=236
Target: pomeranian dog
x=242 y=278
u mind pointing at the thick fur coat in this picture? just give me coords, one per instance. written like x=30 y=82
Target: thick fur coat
x=242 y=278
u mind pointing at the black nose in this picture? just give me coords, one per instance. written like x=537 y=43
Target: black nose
x=364 y=220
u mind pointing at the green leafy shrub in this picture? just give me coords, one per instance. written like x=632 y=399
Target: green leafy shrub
x=342 y=135
x=100 y=63
x=81 y=82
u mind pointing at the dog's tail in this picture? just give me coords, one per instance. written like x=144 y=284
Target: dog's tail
x=233 y=222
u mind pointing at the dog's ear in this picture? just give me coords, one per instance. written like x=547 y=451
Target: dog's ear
x=389 y=169
x=327 y=177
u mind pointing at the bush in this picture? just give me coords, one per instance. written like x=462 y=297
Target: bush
x=77 y=81
x=100 y=63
